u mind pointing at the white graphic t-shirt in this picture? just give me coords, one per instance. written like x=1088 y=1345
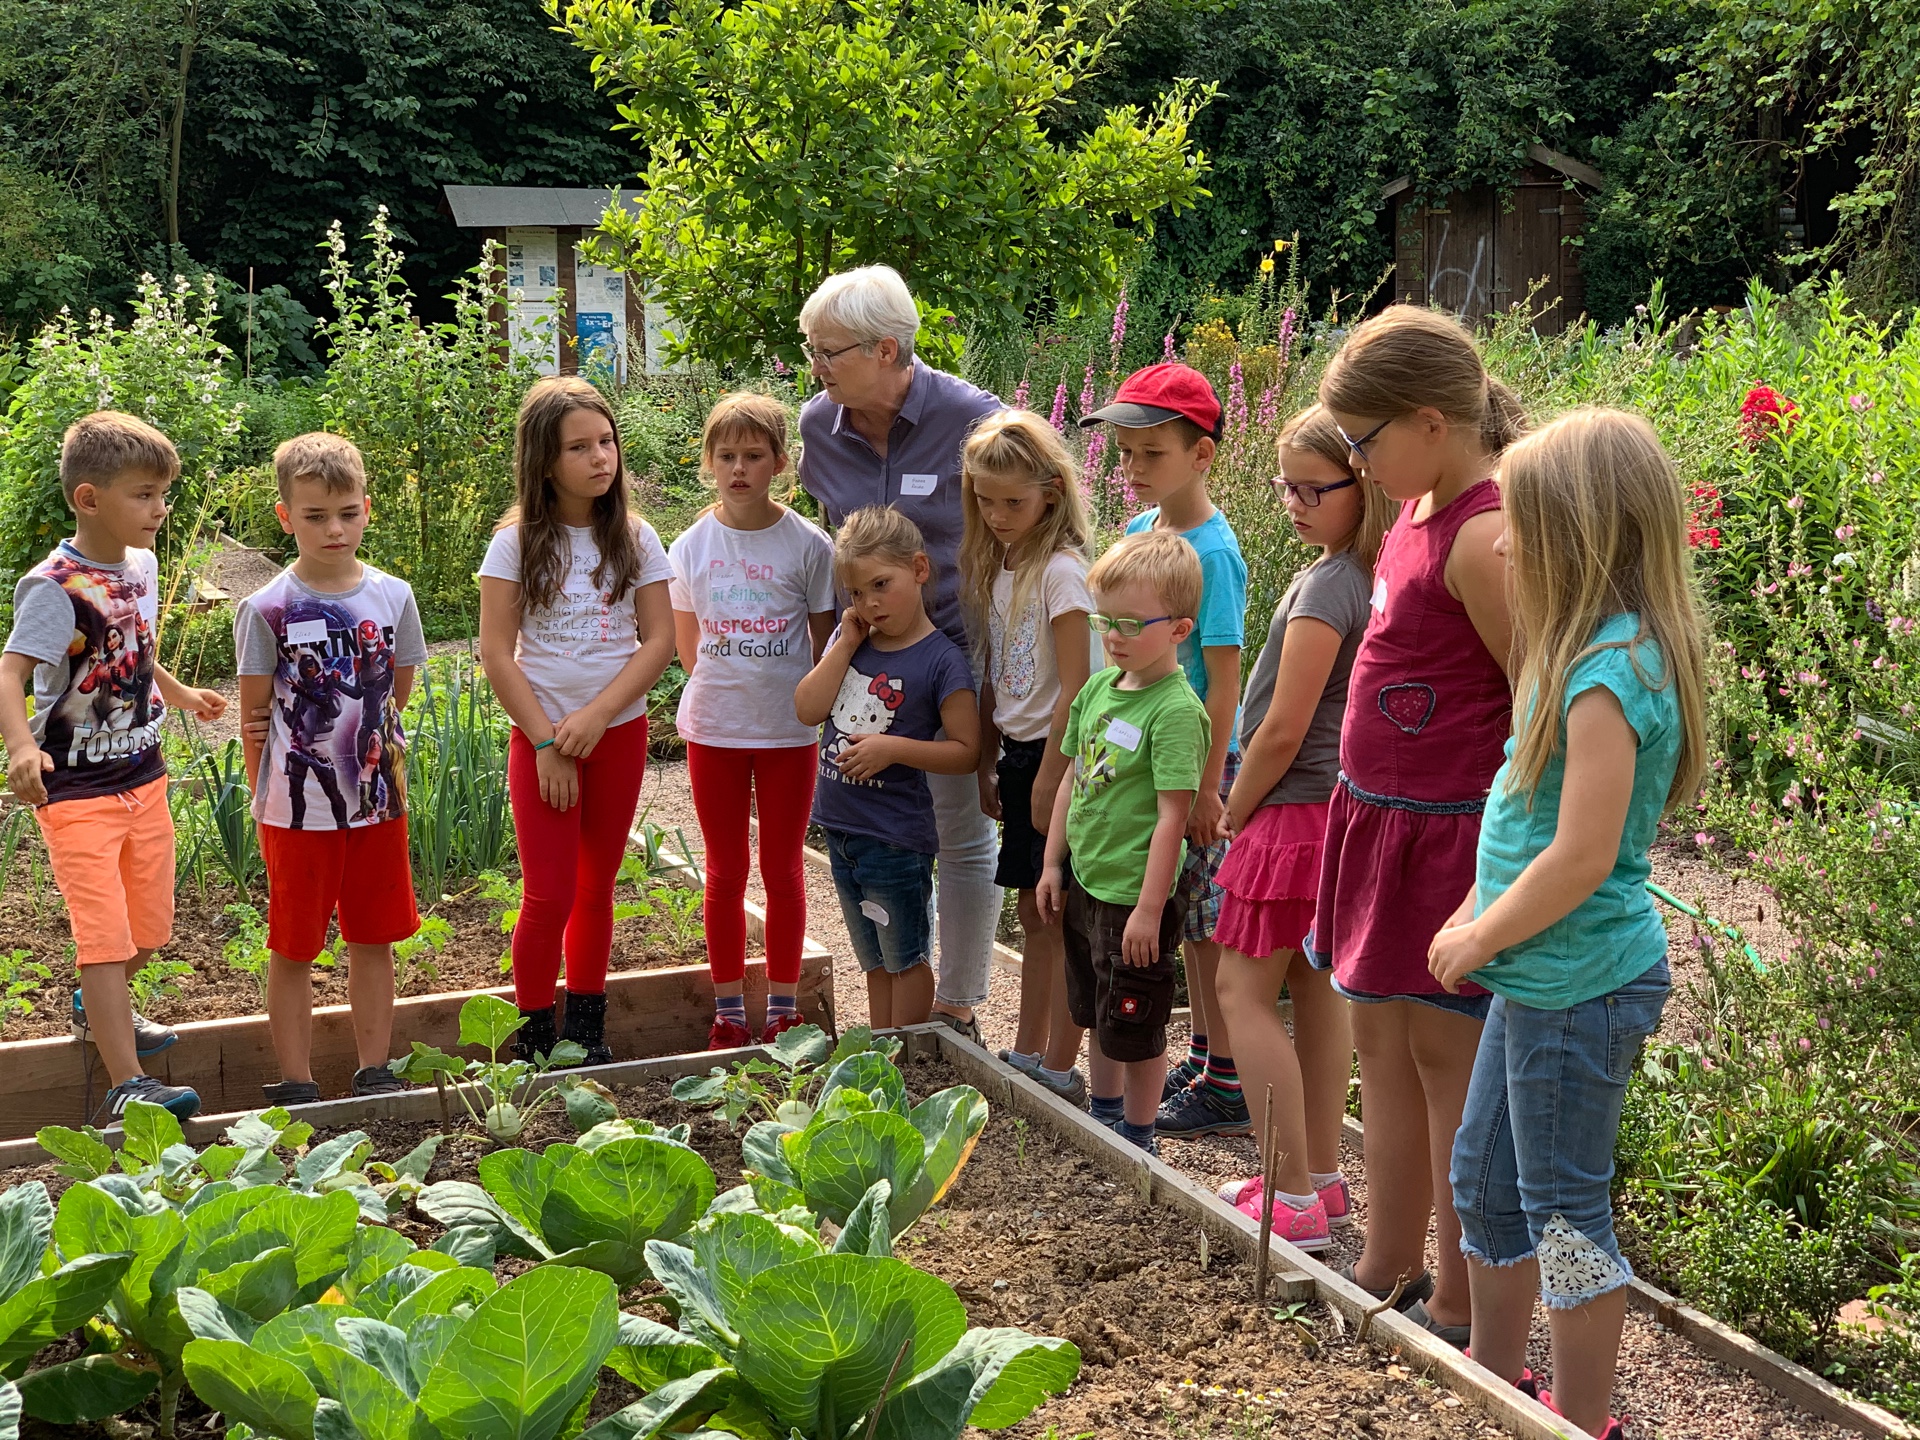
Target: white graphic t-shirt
x=751 y=591
x=1026 y=673
x=573 y=649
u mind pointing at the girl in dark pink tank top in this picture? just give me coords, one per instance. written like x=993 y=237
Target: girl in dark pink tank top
x=1428 y=713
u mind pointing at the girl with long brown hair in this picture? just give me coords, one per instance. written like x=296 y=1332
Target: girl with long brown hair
x=575 y=627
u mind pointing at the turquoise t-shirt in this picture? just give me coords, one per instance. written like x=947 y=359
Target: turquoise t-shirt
x=1223 y=596
x=1614 y=935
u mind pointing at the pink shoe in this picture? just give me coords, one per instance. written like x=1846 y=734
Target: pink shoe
x=1615 y=1428
x=728 y=1035
x=1306 y=1229
x=1336 y=1197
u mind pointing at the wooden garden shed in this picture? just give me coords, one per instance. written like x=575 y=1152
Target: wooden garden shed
x=1479 y=250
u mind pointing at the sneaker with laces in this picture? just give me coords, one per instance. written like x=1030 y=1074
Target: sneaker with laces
x=1305 y=1229
x=1335 y=1197
x=180 y=1101
x=1074 y=1091
x=778 y=1025
x=291 y=1092
x=1198 y=1111
x=1180 y=1077
x=149 y=1037
x=728 y=1035
x=377 y=1080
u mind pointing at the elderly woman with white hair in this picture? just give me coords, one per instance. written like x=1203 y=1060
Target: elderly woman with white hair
x=887 y=430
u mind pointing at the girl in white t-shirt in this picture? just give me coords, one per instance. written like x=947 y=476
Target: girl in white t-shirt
x=1023 y=567
x=753 y=605
x=575 y=626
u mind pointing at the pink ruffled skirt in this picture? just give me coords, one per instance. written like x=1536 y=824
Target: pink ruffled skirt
x=1271 y=879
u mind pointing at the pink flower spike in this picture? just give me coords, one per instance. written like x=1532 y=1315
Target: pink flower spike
x=1020 y=395
x=1119 y=328
x=1059 y=415
x=1166 y=349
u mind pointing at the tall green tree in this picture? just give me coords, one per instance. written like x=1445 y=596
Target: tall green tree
x=788 y=139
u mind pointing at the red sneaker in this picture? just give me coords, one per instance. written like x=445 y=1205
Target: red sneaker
x=778 y=1023
x=728 y=1035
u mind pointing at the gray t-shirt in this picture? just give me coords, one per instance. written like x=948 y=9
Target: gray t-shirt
x=1333 y=591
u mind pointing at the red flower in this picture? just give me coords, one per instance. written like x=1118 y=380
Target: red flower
x=1765 y=411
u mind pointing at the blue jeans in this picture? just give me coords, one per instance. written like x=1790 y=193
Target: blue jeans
x=886 y=897
x=1533 y=1158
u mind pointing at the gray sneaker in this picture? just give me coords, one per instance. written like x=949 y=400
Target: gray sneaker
x=1025 y=1064
x=377 y=1080
x=291 y=1092
x=149 y=1037
x=1073 y=1090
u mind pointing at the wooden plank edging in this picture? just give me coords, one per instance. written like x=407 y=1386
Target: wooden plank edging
x=1722 y=1342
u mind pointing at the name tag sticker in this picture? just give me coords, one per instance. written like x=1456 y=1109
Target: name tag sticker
x=1380 y=594
x=873 y=912
x=1126 y=736
x=918 y=484
x=307 y=632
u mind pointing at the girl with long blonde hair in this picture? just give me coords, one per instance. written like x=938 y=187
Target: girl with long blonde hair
x=1023 y=572
x=1290 y=720
x=1611 y=734
x=575 y=627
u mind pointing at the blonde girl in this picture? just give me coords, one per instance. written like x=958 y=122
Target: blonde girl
x=1023 y=569
x=575 y=627
x=1428 y=710
x=1611 y=703
x=1290 y=723
x=752 y=595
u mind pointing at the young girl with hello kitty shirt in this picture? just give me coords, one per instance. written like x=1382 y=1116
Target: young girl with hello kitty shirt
x=895 y=699
x=752 y=593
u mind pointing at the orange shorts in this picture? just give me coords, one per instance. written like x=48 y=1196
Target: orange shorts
x=363 y=872
x=112 y=858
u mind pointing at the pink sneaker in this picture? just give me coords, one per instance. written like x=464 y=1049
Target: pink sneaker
x=1615 y=1428
x=1306 y=1229
x=1336 y=1197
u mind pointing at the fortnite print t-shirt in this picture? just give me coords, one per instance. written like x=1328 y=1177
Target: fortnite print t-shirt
x=332 y=758
x=888 y=692
x=96 y=711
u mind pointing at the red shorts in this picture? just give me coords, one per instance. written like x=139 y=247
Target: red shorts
x=362 y=871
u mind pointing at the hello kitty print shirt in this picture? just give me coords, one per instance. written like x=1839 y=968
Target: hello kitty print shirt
x=888 y=692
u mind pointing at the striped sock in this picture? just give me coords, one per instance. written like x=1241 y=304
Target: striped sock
x=730 y=1007
x=1223 y=1081
x=1108 y=1111
x=1197 y=1053
x=778 y=1004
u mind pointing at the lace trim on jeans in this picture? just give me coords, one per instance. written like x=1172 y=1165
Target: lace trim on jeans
x=1418 y=807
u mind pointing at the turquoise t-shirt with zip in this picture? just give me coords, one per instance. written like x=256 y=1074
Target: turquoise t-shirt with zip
x=1615 y=934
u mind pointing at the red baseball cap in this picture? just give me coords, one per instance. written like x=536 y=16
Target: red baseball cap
x=1158 y=394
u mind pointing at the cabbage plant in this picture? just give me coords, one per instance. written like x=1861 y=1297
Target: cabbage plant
x=788 y=1338
x=595 y=1204
x=506 y=1087
x=863 y=1130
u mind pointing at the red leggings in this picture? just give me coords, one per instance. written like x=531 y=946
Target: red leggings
x=569 y=860
x=725 y=782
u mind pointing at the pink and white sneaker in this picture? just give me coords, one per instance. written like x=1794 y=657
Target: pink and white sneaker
x=1306 y=1229
x=1336 y=1197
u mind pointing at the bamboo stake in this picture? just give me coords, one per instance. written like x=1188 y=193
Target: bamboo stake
x=1266 y=1203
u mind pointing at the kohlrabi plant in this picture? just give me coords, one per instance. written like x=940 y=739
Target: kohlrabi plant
x=455 y=1359
x=864 y=1131
x=594 y=1205
x=42 y=1299
x=779 y=1087
x=505 y=1088
x=786 y=1337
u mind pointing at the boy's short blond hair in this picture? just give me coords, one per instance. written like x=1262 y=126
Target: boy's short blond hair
x=878 y=531
x=333 y=460
x=99 y=448
x=1158 y=558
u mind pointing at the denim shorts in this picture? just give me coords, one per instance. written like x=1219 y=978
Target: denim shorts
x=1198 y=888
x=886 y=897
x=1533 y=1158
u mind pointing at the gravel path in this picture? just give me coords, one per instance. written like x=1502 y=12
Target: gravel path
x=1667 y=1387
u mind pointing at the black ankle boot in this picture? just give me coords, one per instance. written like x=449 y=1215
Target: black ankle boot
x=535 y=1035
x=587 y=1026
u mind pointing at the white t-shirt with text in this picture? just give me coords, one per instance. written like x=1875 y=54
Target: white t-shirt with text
x=751 y=591
x=572 y=650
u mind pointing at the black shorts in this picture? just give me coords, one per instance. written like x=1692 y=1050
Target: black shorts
x=1126 y=1006
x=1023 y=849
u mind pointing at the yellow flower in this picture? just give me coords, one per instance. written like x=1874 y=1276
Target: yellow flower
x=1278 y=246
x=1266 y=266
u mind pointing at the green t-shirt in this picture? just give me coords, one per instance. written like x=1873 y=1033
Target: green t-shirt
x=1614 y=935
x=1127 y=746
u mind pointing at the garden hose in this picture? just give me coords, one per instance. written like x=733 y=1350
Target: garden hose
x=1720 y=927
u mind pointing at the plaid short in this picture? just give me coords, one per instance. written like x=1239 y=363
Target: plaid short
x=1198 y=890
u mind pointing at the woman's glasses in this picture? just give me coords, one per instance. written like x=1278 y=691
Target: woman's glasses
x=1124 y=625
x=1307 y=495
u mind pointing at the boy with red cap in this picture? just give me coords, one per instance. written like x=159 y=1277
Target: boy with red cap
x=1167 y=424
